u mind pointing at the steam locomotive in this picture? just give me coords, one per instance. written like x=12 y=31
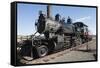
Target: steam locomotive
x=57 y=34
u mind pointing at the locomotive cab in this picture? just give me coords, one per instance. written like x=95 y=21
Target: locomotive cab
x=83 y=31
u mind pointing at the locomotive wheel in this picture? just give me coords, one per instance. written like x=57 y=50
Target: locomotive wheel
x=42 y=51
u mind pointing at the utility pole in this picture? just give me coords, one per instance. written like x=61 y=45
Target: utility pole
x=87 y=47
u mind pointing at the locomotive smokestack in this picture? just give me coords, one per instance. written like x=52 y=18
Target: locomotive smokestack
x=48 y=11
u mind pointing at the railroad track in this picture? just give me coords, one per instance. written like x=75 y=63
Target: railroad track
x=47 y=58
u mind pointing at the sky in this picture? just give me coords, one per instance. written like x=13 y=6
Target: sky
x=27 y=14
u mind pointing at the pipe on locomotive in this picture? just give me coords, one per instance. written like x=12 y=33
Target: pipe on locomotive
x=48 y=11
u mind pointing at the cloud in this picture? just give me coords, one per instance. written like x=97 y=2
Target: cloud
x=82 y=19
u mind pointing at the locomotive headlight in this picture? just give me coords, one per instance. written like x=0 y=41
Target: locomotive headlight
x=18 y=49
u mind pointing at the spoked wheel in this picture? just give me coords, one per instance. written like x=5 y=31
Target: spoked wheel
x=42 y=51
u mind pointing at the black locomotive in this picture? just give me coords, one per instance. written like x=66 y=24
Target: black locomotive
x=57 y=34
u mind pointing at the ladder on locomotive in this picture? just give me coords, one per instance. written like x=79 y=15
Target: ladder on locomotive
x=78 y=38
